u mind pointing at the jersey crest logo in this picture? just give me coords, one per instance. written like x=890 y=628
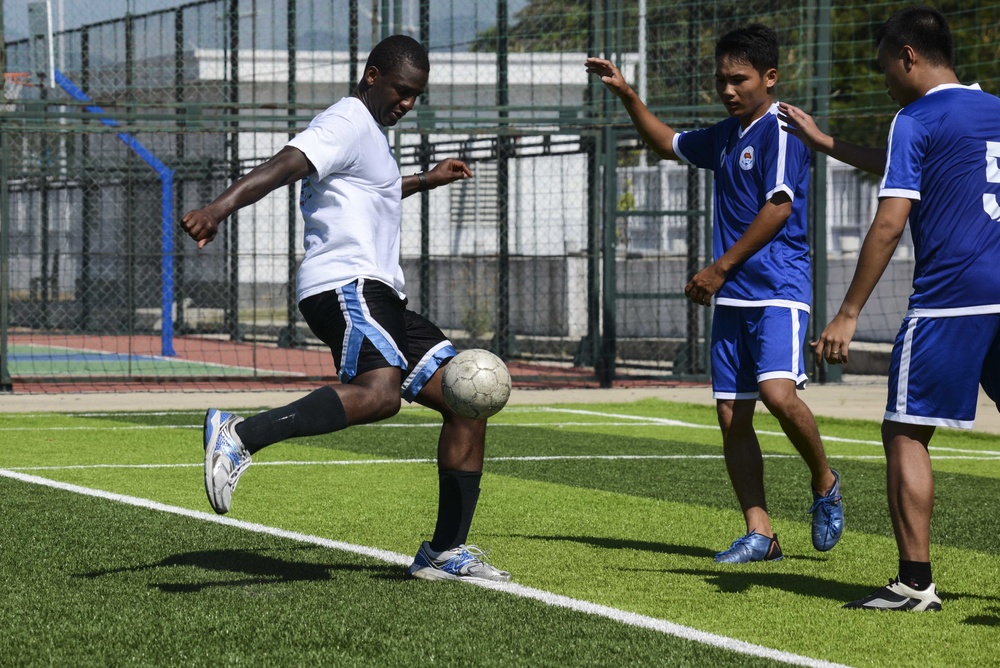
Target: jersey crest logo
x=746 y=158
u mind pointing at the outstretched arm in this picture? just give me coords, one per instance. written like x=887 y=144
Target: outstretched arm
x=658 y=135
x=447 y=171
x=802 y=125
x=286 y=166
x=876 y=251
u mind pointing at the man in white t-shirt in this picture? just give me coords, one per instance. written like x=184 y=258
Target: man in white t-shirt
x=350 y=291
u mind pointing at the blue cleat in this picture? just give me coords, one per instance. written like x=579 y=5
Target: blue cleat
x=751 y=547
x=827 y=517
x=225 y=458
x=464 y=562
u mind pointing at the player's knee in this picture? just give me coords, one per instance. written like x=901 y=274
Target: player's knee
x=385 y=404
x=779 y=399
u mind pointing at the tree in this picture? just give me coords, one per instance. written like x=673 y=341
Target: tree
x=681 y=39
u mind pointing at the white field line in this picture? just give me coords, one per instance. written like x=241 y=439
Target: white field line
x=377 y=425
x=161 y=358
x=524 y=458
x=622 y=420
x=676 y=423
x=546 y=597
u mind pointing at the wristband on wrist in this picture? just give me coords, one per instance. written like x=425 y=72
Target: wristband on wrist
x=422 y=177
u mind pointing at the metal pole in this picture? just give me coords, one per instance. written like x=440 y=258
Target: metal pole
x=821 y=267
x=609 y=334
x=503 y=335
x=6 y=383
x=288 y=337
x=588 y=350
x=180 y=148
x=424 y=153
x=43 y=194
x=352 y=47
x=693 y=311
x=130 y=194
x=89 y=204
x=642 y=75
x=232 y=234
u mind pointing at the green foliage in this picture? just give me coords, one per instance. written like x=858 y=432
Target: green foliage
x=681 y=40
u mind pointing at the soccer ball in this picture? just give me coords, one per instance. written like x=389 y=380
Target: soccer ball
x=476 y=384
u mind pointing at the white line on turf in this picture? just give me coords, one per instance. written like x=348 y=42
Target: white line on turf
x=525 y=458
x=628 y=420
x=546 y=597
x=675 y=423
x=377 y=425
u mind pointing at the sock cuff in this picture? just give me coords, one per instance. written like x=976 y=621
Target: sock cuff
x=452 y=473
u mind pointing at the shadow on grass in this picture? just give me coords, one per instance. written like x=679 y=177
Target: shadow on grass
x=648 y=546
x=990 y=617
x=629 y=544
x=739 y=581
x=263 y=570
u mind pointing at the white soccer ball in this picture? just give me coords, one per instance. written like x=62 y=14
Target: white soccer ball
x=476 y=384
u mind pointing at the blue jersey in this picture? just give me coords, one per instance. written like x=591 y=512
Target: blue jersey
x=944 y=155
x=750 y=167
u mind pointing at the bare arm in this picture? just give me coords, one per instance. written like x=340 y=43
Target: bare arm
x=802 y=125
x=658 y=135
x=447 y=171
x=876 y=252
x=765 y=225
x=285 y=167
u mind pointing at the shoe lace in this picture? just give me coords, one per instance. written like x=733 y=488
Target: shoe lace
x=831 y=499
x=241 y=466
x=476 y=552
x=742 y=540
x=239 y=456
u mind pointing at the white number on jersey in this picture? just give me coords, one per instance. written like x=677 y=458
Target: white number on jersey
x=990 y=204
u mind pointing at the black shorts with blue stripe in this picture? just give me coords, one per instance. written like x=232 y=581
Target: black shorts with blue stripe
x=367 y=326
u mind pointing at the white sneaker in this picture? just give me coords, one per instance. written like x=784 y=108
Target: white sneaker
x=464 y=562
x=225 y=458
x=897 y=596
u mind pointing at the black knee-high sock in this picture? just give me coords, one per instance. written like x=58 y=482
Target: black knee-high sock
x=319 y=412
x=458 y=493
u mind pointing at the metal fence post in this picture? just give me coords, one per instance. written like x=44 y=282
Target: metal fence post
x=502 y=343
x=820 y=316
x=6 y=384
x=424 y=156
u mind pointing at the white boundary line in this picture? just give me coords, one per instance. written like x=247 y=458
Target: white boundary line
x=524 y=458
x=625 y=420
x=156 y=358
x=548 y=598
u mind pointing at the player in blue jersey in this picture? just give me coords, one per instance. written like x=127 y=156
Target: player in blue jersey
x=760 y=279
x=940 y=170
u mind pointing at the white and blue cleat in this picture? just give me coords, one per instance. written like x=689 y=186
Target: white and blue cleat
x=225 y=458
x=464 y=562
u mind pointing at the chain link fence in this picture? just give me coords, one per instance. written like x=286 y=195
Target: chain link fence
x=566 y=254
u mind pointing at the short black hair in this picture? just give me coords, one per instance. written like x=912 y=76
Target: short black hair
x=390 y=54
x=923 y=28
x=754 y=44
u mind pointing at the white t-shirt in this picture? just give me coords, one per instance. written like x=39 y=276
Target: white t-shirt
x=351 y=204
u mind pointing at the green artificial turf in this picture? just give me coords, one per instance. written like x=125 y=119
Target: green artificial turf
x=633 y=534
